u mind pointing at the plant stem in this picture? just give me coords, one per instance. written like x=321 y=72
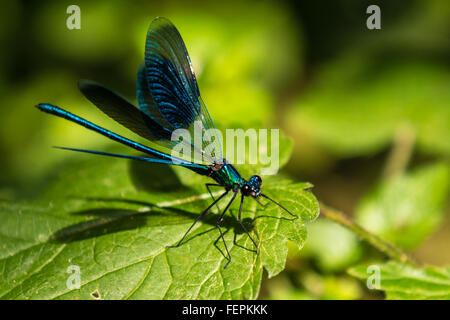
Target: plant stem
x=401 y=151
x=382 y=245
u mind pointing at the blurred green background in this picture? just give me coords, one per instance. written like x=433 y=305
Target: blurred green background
x=368 y=110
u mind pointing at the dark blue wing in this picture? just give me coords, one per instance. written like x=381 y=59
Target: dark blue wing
x=172 y=87
x=146 y=102
x=123 y=111
x=148 y=126
x=149 y=107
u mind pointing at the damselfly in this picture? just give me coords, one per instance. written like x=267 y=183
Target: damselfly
x=168 y=99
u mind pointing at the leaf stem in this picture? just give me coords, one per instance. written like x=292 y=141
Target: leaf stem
x=382 y=245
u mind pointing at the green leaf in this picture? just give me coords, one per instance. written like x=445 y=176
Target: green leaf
x=357 y=107
x=313 y=286
x=114 y=219
x=334 y=247
x=408 y=208
x=401 y=281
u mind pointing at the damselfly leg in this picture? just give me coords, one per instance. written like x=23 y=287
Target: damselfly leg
x=198 y=218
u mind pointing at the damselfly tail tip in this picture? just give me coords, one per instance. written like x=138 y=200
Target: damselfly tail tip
x=46 y=107
x=41 y=106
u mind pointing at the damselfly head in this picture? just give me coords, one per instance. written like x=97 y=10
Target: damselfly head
x=252 y=187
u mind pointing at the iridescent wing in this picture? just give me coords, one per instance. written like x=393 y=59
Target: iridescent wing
x=124 y=112
x=168 y=98
x=173 y=90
